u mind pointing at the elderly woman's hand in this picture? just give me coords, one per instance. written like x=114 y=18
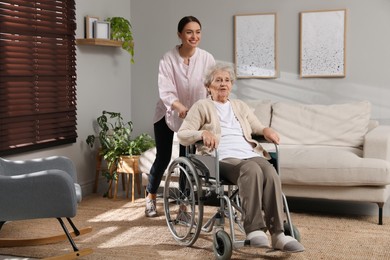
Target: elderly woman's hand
x=209 y=139
x=271 y=135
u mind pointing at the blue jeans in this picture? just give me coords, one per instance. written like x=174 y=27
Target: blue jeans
x=163 y=136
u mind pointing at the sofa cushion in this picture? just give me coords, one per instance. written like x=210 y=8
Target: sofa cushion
x=331 y=166
x=262 y=109
x=339 y=124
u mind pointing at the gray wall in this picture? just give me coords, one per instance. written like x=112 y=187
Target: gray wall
x=367 y=61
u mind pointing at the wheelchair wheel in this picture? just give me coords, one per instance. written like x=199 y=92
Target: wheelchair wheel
x=222 y=245
x=182 y=204
x=287 y=231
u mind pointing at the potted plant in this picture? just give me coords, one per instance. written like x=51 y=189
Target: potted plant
x=115 y=138
x=121 y=30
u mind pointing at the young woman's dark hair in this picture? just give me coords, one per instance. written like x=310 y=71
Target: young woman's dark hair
x=185 y=20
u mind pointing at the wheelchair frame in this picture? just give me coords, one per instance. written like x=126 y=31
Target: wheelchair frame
x=188 y=184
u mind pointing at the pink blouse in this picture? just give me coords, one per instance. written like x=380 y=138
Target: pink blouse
x=178 y=81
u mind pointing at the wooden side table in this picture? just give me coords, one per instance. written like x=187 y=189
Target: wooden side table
x=129 y=165
x=99 y=160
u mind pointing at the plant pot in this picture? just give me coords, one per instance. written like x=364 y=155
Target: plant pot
x=128 y=163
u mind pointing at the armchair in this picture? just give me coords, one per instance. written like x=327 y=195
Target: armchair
x=40 y=188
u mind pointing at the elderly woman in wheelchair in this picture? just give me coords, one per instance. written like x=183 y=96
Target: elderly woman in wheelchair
x=228 y=125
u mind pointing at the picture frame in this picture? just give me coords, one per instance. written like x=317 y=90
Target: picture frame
x=101 y=30
x=323 y=43
x=89 y=21
x=255 y=41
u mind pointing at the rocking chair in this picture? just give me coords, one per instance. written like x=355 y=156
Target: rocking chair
x=41 y=188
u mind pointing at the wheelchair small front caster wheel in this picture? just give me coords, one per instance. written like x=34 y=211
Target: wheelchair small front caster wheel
x=222 y=245
x=287 y=231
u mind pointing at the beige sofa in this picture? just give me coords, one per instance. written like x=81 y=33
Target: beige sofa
x=330 y=152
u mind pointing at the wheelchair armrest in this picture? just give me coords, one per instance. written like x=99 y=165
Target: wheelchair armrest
x=275 y=155
x=260 y=138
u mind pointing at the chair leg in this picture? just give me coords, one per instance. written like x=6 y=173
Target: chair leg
x=75 y=229
x=127 y=185
x=138 y=181
x=123 y=181
x=68 y=235
x=97 y=174
x=380 y=213
x=132 y=187
x=116 y=186
x=1 y=224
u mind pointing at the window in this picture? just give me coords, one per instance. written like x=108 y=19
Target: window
x=37 y=74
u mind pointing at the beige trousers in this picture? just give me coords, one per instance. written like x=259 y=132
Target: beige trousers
x=260 y=192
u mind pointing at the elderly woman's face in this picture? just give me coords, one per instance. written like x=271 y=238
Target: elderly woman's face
x=221 y=86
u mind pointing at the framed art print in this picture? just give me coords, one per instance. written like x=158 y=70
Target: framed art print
x=102 y=30
x=255 y=45
x=89 y=21
x=322 y=43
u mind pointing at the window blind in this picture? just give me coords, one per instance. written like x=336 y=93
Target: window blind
x=37 y=74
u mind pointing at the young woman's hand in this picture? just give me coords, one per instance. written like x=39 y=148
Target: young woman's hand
x=180 y=109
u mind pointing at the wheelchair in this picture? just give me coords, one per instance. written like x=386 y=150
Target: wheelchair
x=190 y=182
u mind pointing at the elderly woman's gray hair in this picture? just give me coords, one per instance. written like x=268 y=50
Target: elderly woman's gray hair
x=219 y=66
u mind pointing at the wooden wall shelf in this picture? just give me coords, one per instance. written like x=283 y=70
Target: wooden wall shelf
x=99 y=42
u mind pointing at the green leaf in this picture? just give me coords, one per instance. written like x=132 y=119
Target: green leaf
x=115 y=137
x=121 y=30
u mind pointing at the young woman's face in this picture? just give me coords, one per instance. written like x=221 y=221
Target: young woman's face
x=191 y=34
x=221 y=86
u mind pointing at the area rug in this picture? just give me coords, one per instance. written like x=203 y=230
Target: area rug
x=121 y=231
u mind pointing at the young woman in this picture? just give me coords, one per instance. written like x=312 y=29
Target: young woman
x=180 y=84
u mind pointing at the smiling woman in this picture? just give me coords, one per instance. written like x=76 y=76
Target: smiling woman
x=180 y=85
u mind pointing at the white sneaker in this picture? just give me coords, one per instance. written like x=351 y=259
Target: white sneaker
x=151 y=209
